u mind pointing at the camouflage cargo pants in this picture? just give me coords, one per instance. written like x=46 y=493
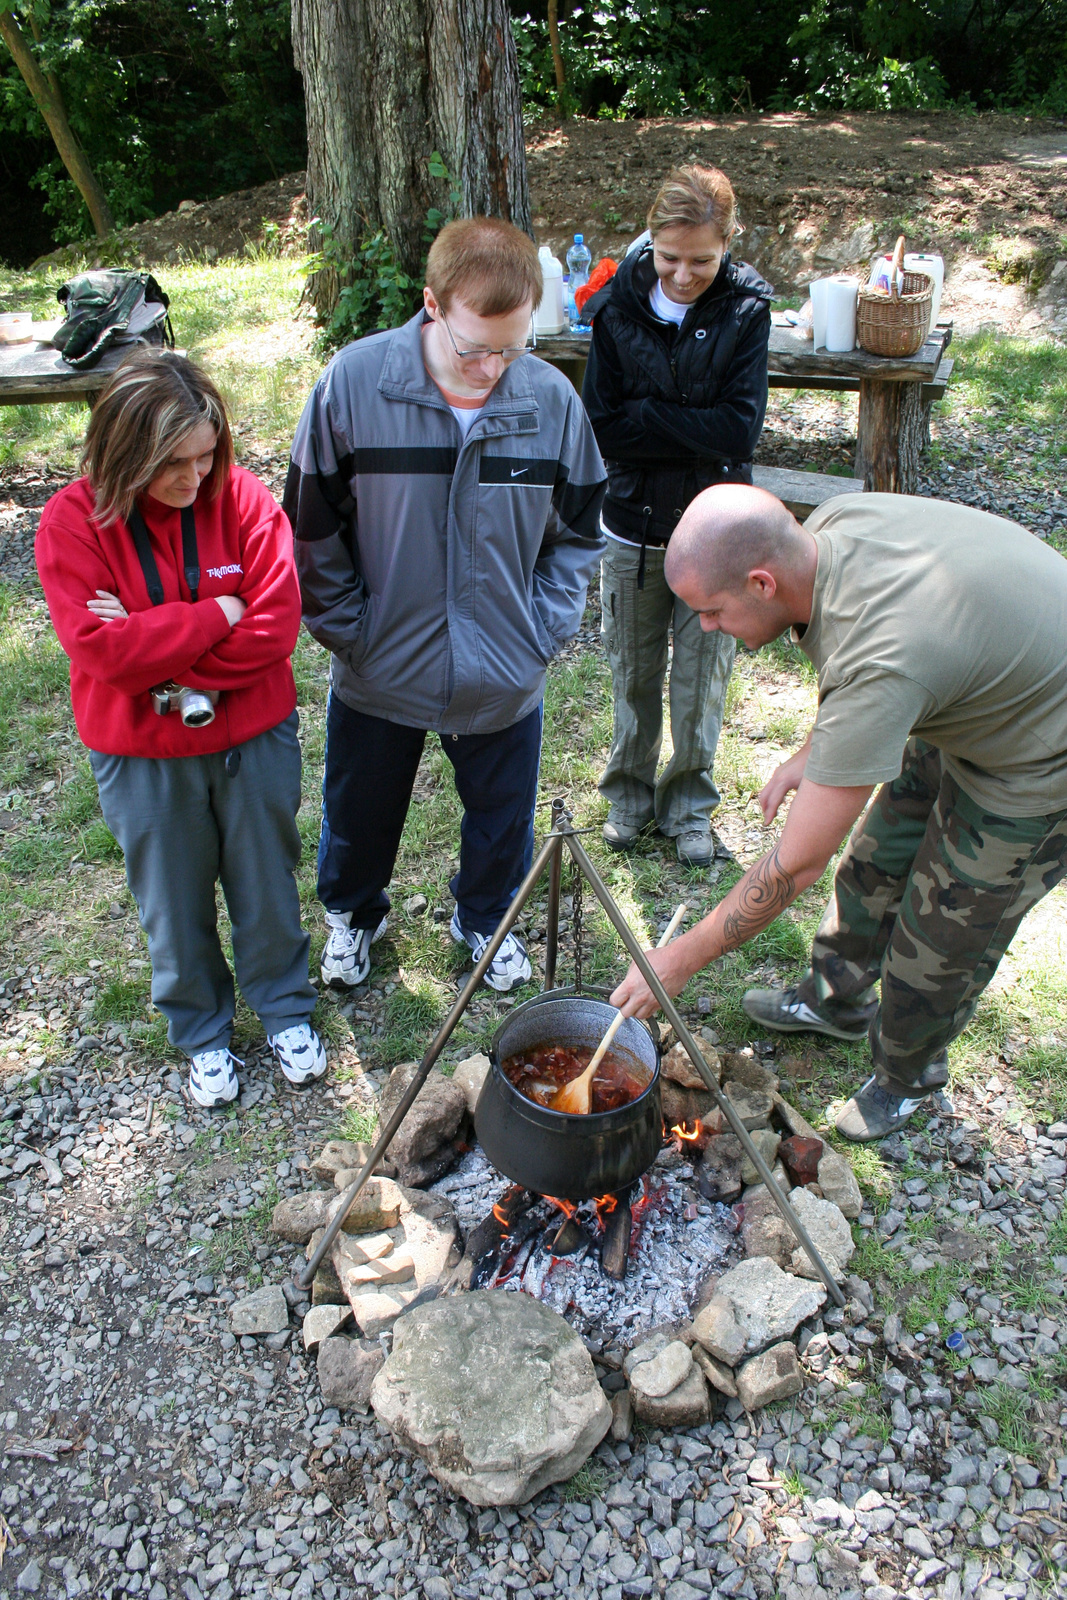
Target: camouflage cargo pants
x=927 y=897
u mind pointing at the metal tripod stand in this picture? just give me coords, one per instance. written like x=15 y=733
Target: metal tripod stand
x=550 y=855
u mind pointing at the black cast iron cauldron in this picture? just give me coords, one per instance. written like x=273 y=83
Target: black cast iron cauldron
x=555 y=1152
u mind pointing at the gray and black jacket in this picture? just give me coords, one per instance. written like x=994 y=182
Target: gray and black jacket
x=443 y=573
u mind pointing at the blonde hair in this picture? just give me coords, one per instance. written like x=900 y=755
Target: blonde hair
x=151 y=404
x=695 y=197
x=487 y=263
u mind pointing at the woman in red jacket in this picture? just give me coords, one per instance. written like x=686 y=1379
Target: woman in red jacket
x=169 y=576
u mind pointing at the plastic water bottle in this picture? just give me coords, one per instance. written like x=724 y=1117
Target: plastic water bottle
x=578 y=263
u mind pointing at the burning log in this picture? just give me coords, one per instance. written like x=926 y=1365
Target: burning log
x=617 y=1221
x=690 y=1138
x=481 y=1255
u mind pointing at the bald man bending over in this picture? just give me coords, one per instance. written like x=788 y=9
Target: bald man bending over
x=939 y=635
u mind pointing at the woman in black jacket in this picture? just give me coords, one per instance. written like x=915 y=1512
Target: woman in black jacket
x=676 y=389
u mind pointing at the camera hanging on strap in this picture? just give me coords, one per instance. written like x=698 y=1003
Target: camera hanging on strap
x=195 y=706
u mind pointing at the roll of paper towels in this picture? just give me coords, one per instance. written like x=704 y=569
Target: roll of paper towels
x=818 y=311
x=934 y=267
x=841 y=297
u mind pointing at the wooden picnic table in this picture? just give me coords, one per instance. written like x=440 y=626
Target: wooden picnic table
x=36 y=375
x=895 y=393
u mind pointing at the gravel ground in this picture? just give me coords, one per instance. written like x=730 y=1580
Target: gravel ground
x=146 y=1451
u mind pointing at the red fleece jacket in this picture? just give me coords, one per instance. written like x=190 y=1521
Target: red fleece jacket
x=245 y=548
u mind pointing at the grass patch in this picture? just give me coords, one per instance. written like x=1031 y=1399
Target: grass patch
x=122 y=1000
x=587 y=1483
x=233 y=1248
x=414 y=1009
x=359 y=1124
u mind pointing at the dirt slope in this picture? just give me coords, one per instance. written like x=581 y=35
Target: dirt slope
x=816 y=195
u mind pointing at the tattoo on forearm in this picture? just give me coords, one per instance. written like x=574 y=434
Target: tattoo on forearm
x=763 y=892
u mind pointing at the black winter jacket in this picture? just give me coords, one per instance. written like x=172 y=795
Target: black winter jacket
x=675 y=409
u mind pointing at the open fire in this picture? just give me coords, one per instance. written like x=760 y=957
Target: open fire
x=621 y=1262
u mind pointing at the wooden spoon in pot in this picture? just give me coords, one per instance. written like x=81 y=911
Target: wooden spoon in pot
x=576 y=1097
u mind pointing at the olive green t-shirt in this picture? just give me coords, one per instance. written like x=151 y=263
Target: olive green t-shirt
x=934 y=619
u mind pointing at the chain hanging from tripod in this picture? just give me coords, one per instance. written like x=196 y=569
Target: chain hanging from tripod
x=576 y=922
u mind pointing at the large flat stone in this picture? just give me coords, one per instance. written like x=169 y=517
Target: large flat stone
x=767 y=1303
x=664 y=1372
x=686 y=1406
x=677 y=1068
x=347 y=1155
x=495 y=1392
x=717 y=1373
x=469 y=1076
x=764 y=1231
x=839 y=1183
x=263 y=1311
x=753 y=1106
x=300 y=1215
x=716 y=1327
x=321 y=1323
x=347 y=1369
x=773 y=1375
x=377 y=1206
x=829 y=1233
x=432 y=1122
x=425 y=1241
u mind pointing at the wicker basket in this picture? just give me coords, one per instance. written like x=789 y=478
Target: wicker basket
x=895 y=324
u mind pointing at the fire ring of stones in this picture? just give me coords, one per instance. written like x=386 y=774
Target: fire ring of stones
x=661 y=1304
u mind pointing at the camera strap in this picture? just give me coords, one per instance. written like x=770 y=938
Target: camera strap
x=190 y=555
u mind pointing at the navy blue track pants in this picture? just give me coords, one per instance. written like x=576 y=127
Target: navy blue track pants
x=366 y=790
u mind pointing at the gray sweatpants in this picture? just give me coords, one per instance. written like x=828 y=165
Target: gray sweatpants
x=635 y=625
x=185 y=824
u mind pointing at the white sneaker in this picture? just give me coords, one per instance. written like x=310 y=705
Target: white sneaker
x=213 y=1078
x=508 y=968
x=346 y=956
x=299 y=1053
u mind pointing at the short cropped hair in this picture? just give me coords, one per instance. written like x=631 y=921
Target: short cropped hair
x=487 y=263
x=150 y=405
x=695 y=197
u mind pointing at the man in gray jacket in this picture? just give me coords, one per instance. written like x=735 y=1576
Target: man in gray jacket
x=445 y=495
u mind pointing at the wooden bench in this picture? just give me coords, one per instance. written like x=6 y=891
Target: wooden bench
x=801 y=492
x=895 y=393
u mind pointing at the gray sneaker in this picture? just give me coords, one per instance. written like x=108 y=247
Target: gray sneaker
x=781 y=1010
x=696 y=848
x=620 y=835
x=874 y=1113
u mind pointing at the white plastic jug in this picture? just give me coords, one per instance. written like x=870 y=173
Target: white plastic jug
x=548 y=318
x=934 y=267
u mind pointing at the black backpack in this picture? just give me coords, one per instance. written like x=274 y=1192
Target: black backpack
x=106 y=308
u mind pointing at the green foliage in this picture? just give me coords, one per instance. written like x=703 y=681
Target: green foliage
x=122 y=1000
x=668 y=58
x=373 y=290
x=169 y=98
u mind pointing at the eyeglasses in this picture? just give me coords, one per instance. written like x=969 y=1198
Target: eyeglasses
x=508 y=353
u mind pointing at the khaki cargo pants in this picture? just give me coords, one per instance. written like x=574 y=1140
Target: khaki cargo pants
x=928 y=896
x=635 y=624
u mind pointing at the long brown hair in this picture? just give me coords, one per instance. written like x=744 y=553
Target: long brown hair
x=153 y=402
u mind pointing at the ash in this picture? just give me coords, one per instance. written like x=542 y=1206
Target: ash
x=679 y=1239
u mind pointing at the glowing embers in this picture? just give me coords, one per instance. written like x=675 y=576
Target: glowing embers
x=525 y=1234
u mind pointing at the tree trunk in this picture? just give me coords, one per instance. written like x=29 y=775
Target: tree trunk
x=889 y=436
x=557 y=55
x=389 y=82
x=49 y=101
